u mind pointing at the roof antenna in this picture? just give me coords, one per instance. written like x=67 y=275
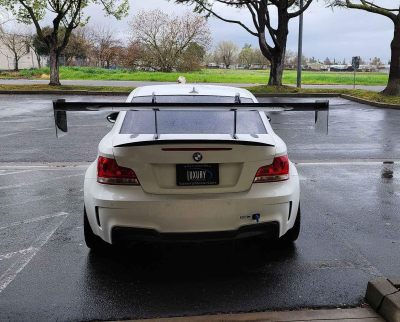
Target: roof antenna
x=153 y=99
x=237 y=98
x=194 y=91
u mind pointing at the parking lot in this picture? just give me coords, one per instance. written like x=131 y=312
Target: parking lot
x=350 y=204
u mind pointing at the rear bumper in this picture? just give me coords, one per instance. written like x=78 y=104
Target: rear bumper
x=268 y=230
x=116 y=212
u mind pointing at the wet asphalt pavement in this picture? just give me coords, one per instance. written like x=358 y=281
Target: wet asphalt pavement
x=350 y=207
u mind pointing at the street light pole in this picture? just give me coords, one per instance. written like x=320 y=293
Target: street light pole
x=300 y=51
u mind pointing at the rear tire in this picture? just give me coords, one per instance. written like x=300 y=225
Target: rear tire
x=293 y=233
x=92 y=241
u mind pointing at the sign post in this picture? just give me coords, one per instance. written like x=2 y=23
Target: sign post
x=356 y=65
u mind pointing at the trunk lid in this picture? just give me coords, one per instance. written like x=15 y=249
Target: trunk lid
x=155 y=160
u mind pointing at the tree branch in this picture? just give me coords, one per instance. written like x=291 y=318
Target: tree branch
x=378 y=7
x=35 y=22
x=300 y=11
x=364 y=6
x=254 y=17
x=70 y=26
x=226 y=20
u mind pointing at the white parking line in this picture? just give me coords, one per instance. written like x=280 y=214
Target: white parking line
x=9 y=134
x=41 y=181
x=14 y=172
x=341 y=163
x=19 y=265
x=20 y=252
x=27 y=221
x=31 y=200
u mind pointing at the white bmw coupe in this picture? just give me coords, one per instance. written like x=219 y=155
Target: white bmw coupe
x=189 y=164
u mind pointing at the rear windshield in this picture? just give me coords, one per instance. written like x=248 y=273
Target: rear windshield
x=190 y=99
x=192 y=122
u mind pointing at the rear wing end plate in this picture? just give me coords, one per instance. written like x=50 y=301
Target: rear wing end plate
x=61 y=107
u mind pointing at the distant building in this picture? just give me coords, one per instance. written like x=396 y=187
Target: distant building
x=341 y=68
x=367 y=68
x=212 y=65
x=384 y=69
x=7 y=60
x=314 y=66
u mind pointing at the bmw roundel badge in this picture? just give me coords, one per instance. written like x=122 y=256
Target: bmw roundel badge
x=197 y=157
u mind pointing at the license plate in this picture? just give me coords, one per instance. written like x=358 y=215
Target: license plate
x=197 y=174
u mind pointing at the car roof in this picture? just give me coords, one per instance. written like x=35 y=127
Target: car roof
x=187 y=89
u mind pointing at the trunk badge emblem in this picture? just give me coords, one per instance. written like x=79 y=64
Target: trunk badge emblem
x=197 y=157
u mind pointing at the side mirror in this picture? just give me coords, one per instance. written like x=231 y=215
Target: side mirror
x=112 y=117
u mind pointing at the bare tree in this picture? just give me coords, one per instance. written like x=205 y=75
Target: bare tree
x=130 y=56
x=67 y=14
x=261 y=60
x=327 y=61
x=106 y=44
x=289 y=57
x=208 y=58
x=79 y=45
x=15 y=41
x=227 y=51
x=295 y=61
x=248 y=55
x=216 y=57
x=377 y=62
x=191 y=59
x=166 y=37
x=260 y=10
x=393 y=86
x=33 y=44
x=5 y=17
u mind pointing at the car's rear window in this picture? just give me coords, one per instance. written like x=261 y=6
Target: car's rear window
x=192 y=122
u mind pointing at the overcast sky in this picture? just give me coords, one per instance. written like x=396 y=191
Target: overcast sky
x=340 y=34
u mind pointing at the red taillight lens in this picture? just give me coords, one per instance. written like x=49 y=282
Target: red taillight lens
x=277 y=171
x=109 y=172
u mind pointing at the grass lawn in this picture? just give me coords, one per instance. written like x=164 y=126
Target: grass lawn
x=203 y=76
x=364 y=94
x=43 y=87
x=368 y=95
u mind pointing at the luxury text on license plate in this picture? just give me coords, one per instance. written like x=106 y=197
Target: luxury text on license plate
x=197 y=174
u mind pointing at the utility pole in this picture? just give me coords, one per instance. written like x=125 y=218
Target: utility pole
x=300 y=51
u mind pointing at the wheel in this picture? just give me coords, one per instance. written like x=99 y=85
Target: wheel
x=294 y=232
x=92 y=241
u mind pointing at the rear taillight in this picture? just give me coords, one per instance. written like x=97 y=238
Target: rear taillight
x=277 y=171
x=109 y=172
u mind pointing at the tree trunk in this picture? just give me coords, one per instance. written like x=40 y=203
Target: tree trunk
x=276 y=55
x=16 y=63
x=54 y=70
x=277 y=67
x=38 y=61
x=393 y=87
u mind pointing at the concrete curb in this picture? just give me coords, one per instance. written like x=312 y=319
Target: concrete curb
x=93 y=93
x=303 y=95
x=344 y=315
x=384 y=297
x=372 y=103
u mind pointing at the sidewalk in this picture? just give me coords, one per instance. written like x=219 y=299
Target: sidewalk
x=343 y=315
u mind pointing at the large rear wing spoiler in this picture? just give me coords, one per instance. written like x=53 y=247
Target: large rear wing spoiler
x=61 y=107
